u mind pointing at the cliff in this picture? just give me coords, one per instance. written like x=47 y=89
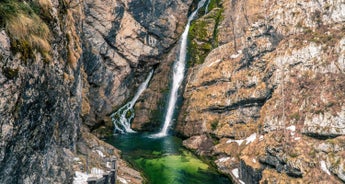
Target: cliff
x=265 y=89
x=264 y=94
x=65 y=66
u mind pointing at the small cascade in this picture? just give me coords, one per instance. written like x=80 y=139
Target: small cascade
x=122 y=118
x=178 y=74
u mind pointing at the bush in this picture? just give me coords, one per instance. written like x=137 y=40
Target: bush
x=214 y=125
x=27 y=31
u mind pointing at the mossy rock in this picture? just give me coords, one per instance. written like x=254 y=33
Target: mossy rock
x=10 y=73
x=129 y=114
x=212 y=4
x=203 y=36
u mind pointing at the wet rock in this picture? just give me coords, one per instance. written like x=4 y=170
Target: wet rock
x=248 y=174
x=149 y=110
x=120 y=48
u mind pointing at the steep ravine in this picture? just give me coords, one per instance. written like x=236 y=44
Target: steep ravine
x=264 y=95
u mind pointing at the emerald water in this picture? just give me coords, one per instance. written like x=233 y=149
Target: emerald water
x=164 y=160
x=161 y=157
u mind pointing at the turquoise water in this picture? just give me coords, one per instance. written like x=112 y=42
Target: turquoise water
x=164 y=160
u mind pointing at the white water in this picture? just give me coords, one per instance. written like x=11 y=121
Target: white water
x=122 y=118
x=206 y=8
x=178 y=74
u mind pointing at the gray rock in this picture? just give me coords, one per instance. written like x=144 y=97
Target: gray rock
x=100 y=53
x=276 y=158
x=248 y=174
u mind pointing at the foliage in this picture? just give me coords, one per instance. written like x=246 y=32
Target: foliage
x=214 y=125
x=204 y=38
x=27 y=31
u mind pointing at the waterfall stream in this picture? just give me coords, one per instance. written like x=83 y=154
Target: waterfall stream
x=178 y=74
x=207 y=5
x=122 y=118
x=161 y=157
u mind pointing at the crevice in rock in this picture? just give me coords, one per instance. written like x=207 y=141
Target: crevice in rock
x=215 y=81
x=245 y=103
x=276 y=159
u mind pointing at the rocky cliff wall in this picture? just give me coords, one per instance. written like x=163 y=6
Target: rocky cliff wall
x=65 y=66
x=269 y=94
x=39 y=106
x=122 y=42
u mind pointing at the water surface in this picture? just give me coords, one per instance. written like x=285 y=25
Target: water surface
x=164 y=160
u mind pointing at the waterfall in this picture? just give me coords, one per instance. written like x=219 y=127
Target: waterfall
x=178 y=74
x=206 y=8
x=122 y=118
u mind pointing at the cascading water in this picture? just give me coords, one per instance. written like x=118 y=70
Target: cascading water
x=178 y=74
x=206 y=7
x=122 y=118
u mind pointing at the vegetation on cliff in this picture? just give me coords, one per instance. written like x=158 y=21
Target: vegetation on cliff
x=24 y=22
x=203 y=33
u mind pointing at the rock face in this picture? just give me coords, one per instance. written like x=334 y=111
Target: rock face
x=264 y=93
x=270 y=91
x=122 y=41
x=64 y=67
x=149 y=110
x=39 y=106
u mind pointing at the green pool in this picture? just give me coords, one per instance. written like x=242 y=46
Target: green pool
x=164 y=160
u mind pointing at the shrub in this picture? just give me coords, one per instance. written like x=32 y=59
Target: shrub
x=214 y=125
x=27 y=31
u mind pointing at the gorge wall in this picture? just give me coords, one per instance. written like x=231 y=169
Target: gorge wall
x=265 y=92
x=65 y=66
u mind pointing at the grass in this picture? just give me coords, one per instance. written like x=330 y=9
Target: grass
x=27 y=31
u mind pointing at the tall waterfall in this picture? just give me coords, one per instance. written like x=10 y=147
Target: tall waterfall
x=178 y=74
x=122 y=118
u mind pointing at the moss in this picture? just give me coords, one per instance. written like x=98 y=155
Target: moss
x=116 y=116
x=295 y=116
x=128 y=114
x=293 y=154
x=214 y=125
x=213 y=4
x=10 y=73
x=203 y=38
